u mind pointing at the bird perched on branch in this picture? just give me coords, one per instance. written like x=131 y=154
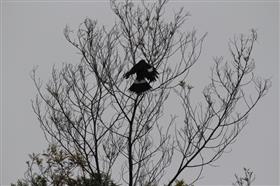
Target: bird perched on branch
x=144 y=72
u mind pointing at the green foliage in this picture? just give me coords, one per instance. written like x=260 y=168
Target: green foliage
x=19 y=183
x=57 y=167
x=91 y=181
x=182 y=183
x=37 y=181
x=80 y=181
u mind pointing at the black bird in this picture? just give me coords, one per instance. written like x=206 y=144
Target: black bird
x=143 y=71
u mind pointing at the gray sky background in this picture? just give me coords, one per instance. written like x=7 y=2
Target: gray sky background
x=32 y=34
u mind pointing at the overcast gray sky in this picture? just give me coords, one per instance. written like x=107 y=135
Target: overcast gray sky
x=32 y=34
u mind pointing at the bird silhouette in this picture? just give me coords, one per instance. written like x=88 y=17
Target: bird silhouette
x=144 y=72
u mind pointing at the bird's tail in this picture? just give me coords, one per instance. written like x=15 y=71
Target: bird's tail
x=139 y=87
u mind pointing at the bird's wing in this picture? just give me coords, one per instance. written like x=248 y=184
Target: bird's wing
x=133 y=70
x=140 y=66
x=151 y=74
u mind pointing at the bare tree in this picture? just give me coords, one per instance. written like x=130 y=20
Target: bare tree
x=211 y=127
x=87 y=110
